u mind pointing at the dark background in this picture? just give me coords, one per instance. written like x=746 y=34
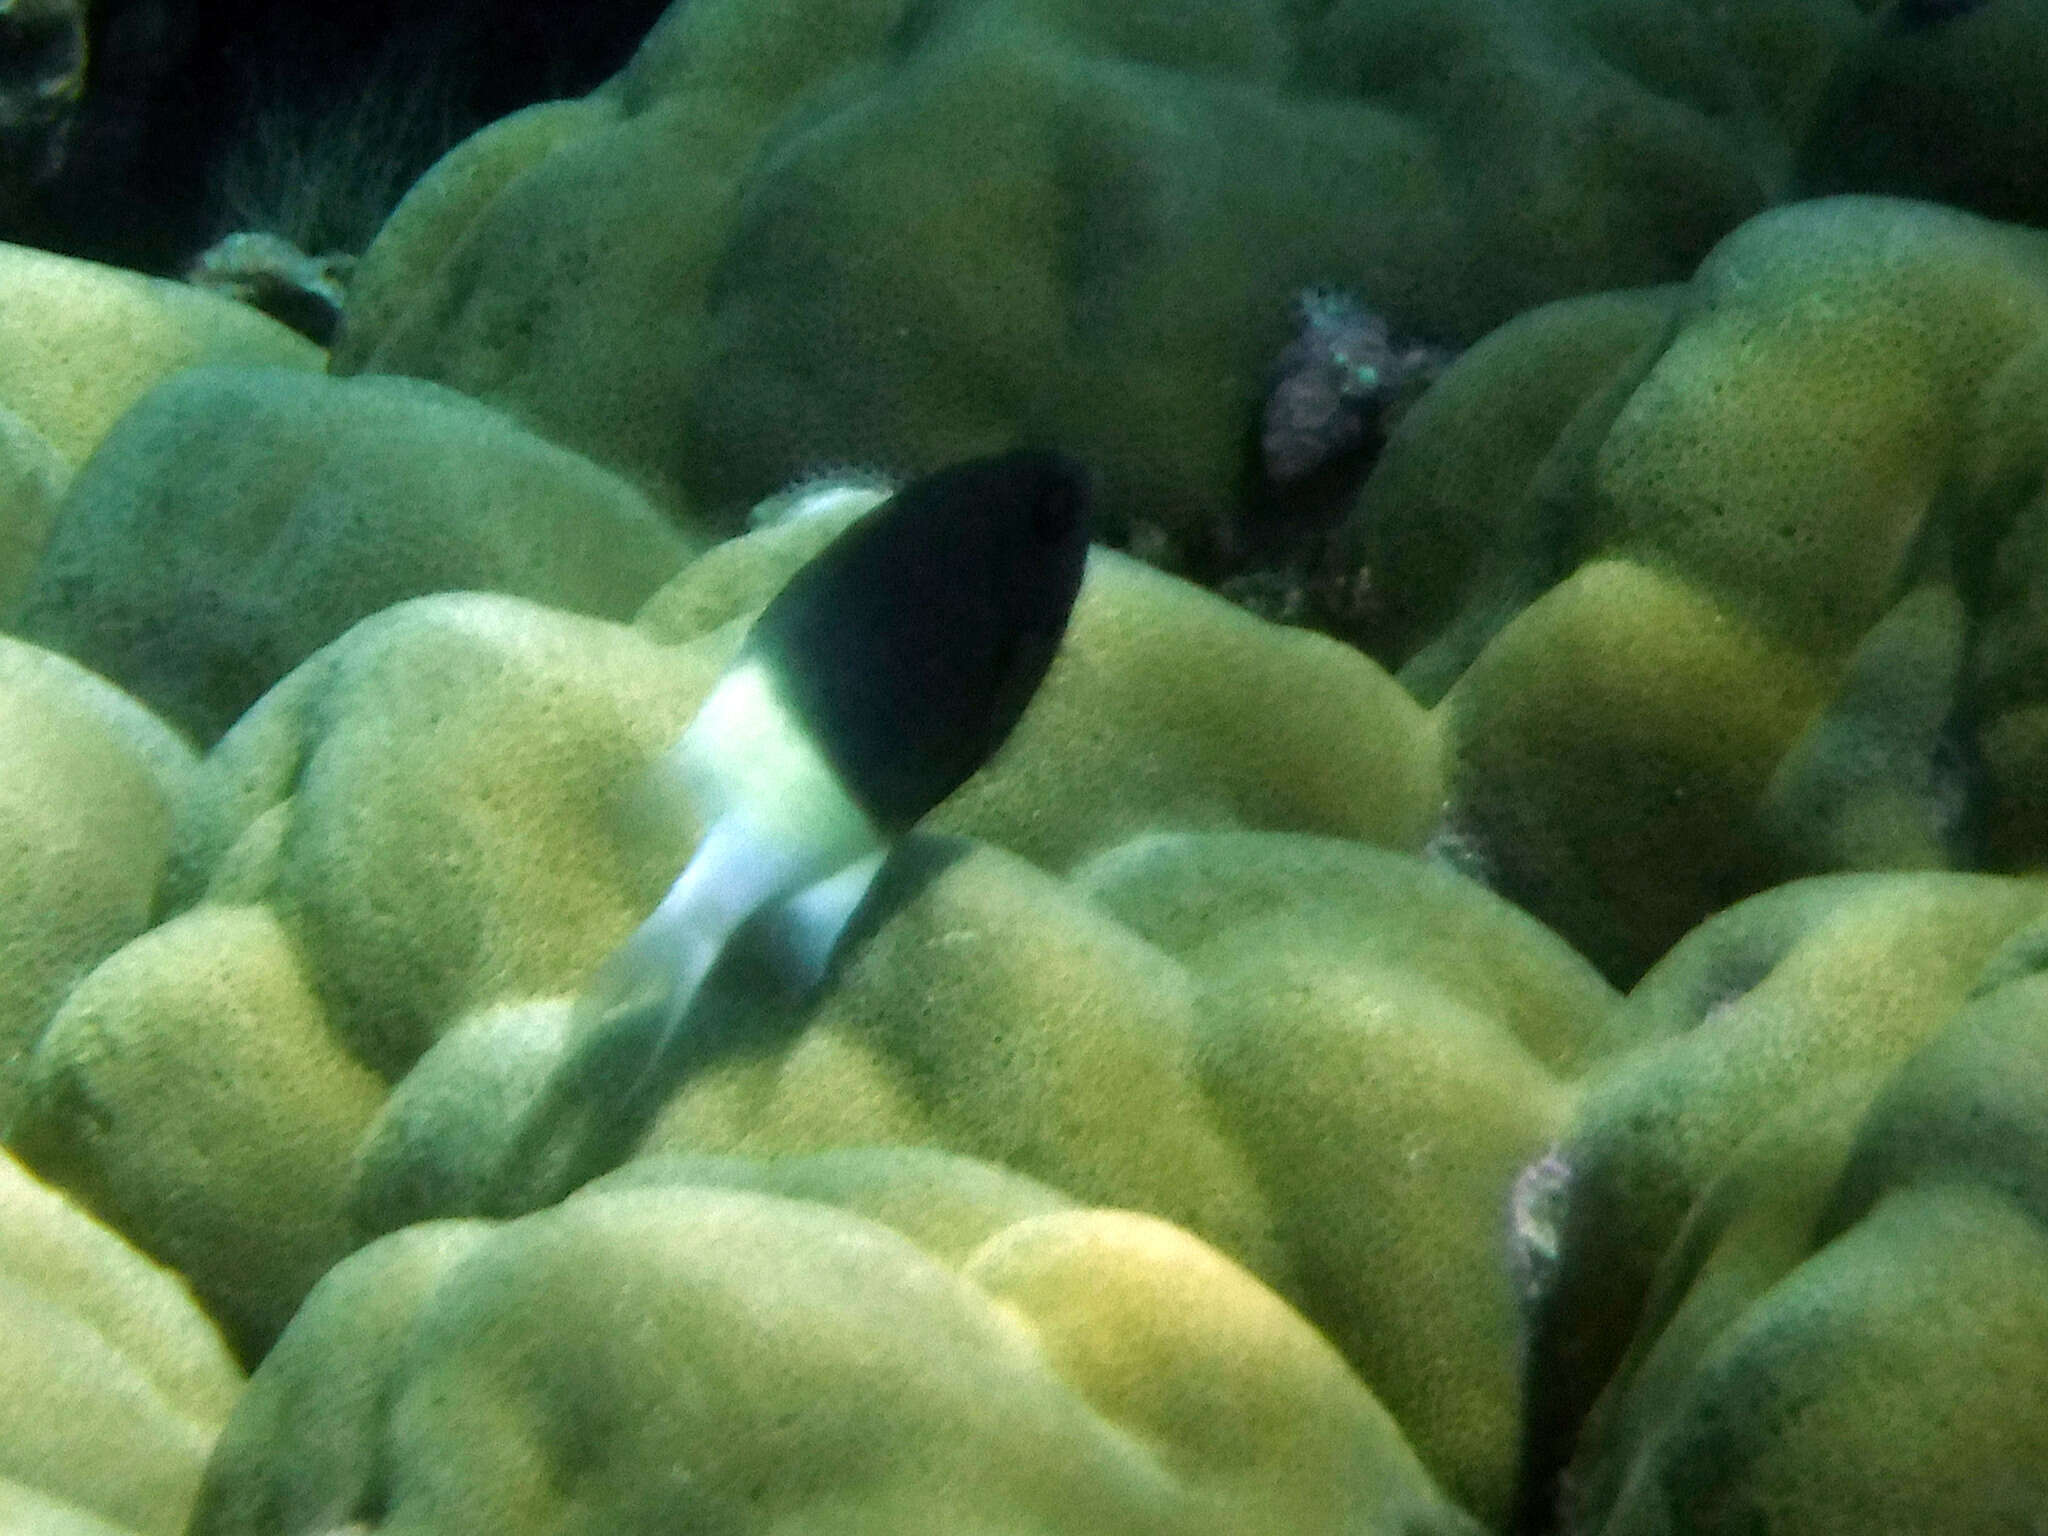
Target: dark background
x=201 y=117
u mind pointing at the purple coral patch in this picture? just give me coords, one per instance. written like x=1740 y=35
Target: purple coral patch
x=1332 y=382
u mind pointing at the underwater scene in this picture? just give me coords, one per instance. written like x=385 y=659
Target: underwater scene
x=1024 y=768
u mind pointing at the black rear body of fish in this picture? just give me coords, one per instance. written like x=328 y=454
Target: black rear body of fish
x=913 y=642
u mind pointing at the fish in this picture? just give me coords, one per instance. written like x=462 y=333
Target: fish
x=888 y=669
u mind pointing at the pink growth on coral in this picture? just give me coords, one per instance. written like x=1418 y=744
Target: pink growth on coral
x=1332 y=382
x=1535 y=1209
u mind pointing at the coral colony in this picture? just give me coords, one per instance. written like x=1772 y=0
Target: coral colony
x=575 y=959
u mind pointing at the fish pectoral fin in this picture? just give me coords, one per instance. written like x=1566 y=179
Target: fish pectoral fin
x=626 y=1022
x=631 y=1033
x=624 y=1033
x=595 y=1102
x=801 y=934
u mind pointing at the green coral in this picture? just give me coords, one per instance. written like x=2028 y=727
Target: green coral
x=81 y=342
x=899 y=234
x=117 y=1383
x=1945 y=113
x=973 y=1352
x=1754 y=595
x=189 y=1092
x=1874 y=1254
x=32 y=480
x=1809 y=994
x=237 y=519
x=90 y=786
x=406 y=855
x=1220 y=1116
